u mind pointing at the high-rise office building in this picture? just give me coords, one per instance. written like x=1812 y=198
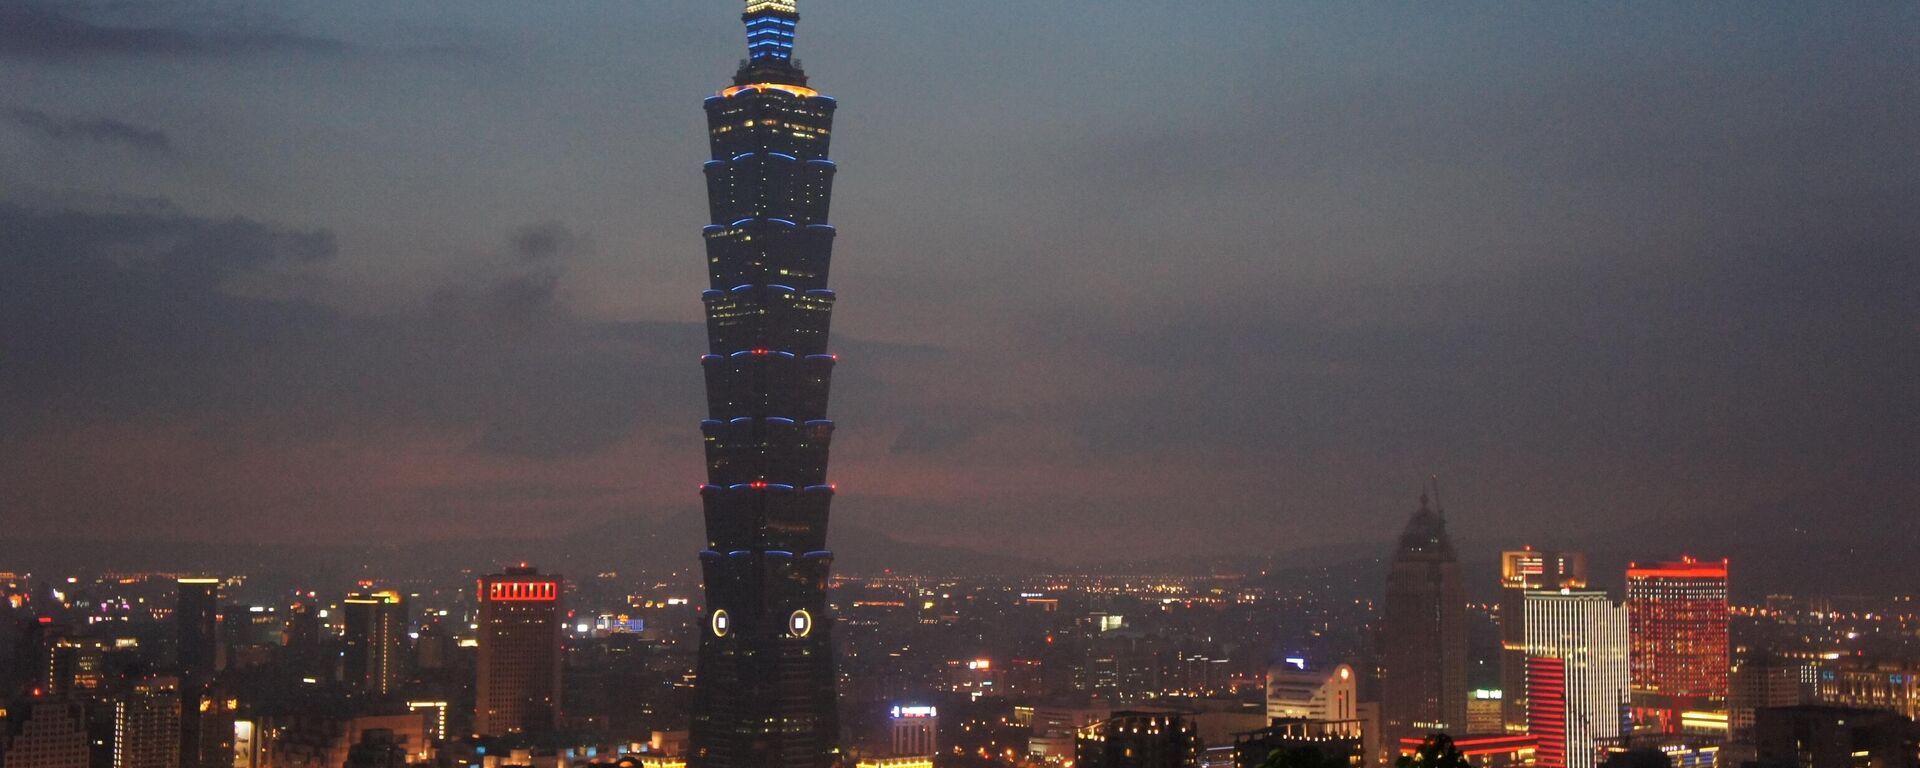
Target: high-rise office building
x=518 y=670
x=1522 y=570
x=764 y=695
x=196 y=617
x=1681 y=657
x=376 y=640
x=1423 y=634
x=1578 y=674
x=146 y=724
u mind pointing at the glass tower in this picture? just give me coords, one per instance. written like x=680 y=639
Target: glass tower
x=765 y=690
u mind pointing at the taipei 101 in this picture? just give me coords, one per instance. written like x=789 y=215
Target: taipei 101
x=992 y=384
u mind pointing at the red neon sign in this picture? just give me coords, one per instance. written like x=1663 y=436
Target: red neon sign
x=512 y=591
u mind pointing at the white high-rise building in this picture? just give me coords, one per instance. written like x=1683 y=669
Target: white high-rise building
x=1578 y=674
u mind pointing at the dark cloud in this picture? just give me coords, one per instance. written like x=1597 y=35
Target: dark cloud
x=46 y=32
x=103 y=130
x=130 y=322
x=543 y=241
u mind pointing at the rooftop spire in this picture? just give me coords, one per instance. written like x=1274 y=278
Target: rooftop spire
x=770 y=26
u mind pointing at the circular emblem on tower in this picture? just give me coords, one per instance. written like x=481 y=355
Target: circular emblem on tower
x=800 y=624
x=722 y=623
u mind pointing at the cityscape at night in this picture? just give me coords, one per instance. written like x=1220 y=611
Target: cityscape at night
x=1215 y=385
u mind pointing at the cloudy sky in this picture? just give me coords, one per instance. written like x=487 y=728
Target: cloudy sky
x=1114 y=277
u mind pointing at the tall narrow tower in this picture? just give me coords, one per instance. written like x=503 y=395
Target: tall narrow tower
x=1423 y=634
x=765 y=693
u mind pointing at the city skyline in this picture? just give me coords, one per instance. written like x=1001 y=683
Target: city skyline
x=1583 y=297
x=351 y=403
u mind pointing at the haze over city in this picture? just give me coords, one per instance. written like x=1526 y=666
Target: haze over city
x=289 y=272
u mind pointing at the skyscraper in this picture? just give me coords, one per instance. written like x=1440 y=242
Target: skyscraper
x=765 y=690
x=1423 y=634
x=1681 y=657
x=376 y=640
x=196 y=615
x=146 y=724
x=1522 y=570
x=1576 y=654
x=518 y=670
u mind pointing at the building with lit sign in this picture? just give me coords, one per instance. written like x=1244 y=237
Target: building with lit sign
x=915 y=730
x=1423 y=633
x=1577 y=675
x=764 y=696
x=1522 y=570
x=1681 y=657
x=517 y=685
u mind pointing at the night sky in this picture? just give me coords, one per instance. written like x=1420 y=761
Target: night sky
x=1114 y=278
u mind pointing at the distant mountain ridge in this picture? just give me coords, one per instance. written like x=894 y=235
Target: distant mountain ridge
x=1774 y=549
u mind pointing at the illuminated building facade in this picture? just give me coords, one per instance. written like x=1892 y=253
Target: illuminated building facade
x=518 y=669
x=376 y=640
x=1297 y=693
x=1505 y=750
x=1577 y=675
x=1522 y=570
x=1681 y=657
x=196 y=617
x=1423 y=634
x=1863 y=684
x=765 y=678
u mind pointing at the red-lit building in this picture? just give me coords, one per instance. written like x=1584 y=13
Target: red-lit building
x=518 y=687
x=1681 y=661
x=1547 y=708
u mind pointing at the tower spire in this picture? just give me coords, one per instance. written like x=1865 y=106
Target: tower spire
x=770 y=26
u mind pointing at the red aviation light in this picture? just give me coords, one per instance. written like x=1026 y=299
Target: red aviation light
x=762 y=351
x=523 y=591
